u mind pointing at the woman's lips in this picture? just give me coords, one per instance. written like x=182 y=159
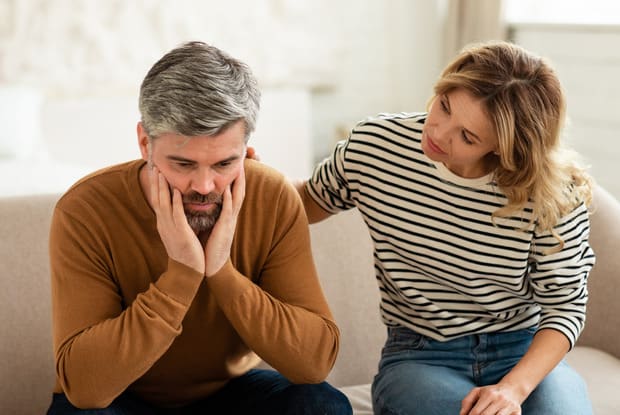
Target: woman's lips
x=434 y=147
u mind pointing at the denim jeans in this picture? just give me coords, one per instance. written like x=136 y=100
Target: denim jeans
x=260 y=392
x=418 y=375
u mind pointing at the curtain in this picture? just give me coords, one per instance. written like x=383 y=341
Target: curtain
x=468 y=21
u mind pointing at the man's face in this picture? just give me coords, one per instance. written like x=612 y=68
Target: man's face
x=200 y=167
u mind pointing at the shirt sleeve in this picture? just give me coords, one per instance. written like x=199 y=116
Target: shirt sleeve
x=329 y=185
x=559 y=276
x=101 y=346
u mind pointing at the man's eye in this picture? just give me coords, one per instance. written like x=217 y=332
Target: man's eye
x=184 y=165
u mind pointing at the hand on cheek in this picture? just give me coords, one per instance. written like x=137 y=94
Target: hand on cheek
x=217 y=249
x=180 y=241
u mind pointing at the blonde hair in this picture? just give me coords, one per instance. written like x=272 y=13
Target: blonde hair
x=523 y=98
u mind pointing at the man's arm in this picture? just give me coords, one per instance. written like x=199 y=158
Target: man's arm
x=282 y=315
x=101 y=343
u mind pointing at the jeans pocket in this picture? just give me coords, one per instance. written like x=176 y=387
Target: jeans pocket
x=401 y=339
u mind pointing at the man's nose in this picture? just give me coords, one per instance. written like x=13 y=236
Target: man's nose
x=203 y=181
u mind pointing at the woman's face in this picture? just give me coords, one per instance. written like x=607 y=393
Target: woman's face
x=458 y=133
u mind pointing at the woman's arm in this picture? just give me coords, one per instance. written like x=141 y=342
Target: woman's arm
x=548 y=348
x=314 y=212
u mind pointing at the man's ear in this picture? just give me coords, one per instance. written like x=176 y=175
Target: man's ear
x=143 y=141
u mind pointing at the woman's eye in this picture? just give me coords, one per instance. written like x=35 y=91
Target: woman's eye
x=465 y=138
x=444 y=107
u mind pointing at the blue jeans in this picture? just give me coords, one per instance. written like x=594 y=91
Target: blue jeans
x=418 y=375
x=261 y=392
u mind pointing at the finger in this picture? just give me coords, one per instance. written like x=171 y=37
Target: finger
x=154 y=185
x=227 y=202
x=250 y=153
x=164 y=195
x=238 y=189
x=178 y=213
x=468 y=402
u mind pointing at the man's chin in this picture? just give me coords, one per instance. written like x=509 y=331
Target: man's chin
x=201 y=223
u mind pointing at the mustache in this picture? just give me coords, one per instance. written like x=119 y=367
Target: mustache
x=195 y=197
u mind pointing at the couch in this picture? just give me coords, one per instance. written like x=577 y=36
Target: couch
x=342 y=251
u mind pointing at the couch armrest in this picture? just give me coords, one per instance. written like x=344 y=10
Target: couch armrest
x=602 y=329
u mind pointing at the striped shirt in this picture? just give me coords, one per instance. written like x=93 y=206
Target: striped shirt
x=444 y=266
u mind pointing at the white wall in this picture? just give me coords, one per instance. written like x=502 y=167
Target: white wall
x=322 y=65
x=587 y=60
x=389 y=61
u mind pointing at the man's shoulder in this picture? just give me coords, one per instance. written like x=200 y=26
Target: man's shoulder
x=261 y=174
x=97 y=186
x=265 y=184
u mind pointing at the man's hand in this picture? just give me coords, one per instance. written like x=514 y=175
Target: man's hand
x=491 y=400
x=217 y=248
x=179 y=239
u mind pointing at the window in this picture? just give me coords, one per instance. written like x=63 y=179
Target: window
x=562 y=11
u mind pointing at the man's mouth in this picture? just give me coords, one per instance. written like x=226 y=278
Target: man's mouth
x=200 y=207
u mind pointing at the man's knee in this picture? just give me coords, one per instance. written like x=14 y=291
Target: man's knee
x=321 y=398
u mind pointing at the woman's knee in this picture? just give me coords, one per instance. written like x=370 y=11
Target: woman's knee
x=562 y=391
x=414 y=388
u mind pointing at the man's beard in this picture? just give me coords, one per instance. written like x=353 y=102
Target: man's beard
x=203 y=222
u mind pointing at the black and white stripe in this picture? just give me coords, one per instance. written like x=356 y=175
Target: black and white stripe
x=445 y=268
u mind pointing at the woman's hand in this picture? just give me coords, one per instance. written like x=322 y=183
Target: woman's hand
x=251 y=154
x=491 y=400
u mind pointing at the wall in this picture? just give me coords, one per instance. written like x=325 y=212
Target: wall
x=587 y=60
x=322 y=66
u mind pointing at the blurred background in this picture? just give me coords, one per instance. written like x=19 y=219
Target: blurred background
x=70 y=72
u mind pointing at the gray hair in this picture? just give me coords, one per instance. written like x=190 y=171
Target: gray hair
x=197 y=89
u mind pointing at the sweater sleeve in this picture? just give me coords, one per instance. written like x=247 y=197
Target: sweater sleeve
x=284 y=317
x=102 y=345
x=559 y=277
x=329 y=186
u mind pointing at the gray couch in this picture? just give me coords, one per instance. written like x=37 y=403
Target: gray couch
x=343 y=255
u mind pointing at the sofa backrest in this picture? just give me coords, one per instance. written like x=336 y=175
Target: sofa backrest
x=602 y=329
x=26 y=366
x=343 y=254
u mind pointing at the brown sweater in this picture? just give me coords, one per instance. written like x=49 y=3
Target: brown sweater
x=125 y=316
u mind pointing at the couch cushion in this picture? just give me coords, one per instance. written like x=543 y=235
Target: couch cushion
x=601 y=371
x=359 y=396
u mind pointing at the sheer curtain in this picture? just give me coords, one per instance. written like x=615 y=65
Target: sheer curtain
x=468 y=21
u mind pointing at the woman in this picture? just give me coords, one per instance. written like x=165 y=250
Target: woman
x=480 y=227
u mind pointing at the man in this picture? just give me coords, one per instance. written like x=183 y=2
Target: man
x=173 y=274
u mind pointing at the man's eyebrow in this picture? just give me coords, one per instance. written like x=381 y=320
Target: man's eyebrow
x=172 y=157
x=229 y=159
x=179 y=158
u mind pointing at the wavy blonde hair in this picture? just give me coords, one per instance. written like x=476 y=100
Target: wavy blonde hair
x=522 y=95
